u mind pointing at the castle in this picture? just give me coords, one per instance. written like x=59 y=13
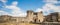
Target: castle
x=38 y=17
x=31 y=17
x=34 y=17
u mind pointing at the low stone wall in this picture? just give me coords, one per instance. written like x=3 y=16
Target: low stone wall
x=18 y=24
x=44 y=23
x=51 y=23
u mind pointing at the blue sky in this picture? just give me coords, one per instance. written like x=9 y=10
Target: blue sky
x=19 y=7
x=28 y=4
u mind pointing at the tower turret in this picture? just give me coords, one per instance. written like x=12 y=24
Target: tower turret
x=30 y=15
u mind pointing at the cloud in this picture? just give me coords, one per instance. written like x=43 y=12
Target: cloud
x=3 y=13
x=51 y=1
x=14 y=3
x=50 y=4
x=15 y=11
x=38 y=9
x=4 y=1
x=13 y=7
x=49 y=7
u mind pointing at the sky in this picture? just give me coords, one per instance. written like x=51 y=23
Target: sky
x=20 y=7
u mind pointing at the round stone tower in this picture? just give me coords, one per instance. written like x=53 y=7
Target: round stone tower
x=30 y=15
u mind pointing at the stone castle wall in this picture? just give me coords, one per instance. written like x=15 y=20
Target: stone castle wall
x=31 y=17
